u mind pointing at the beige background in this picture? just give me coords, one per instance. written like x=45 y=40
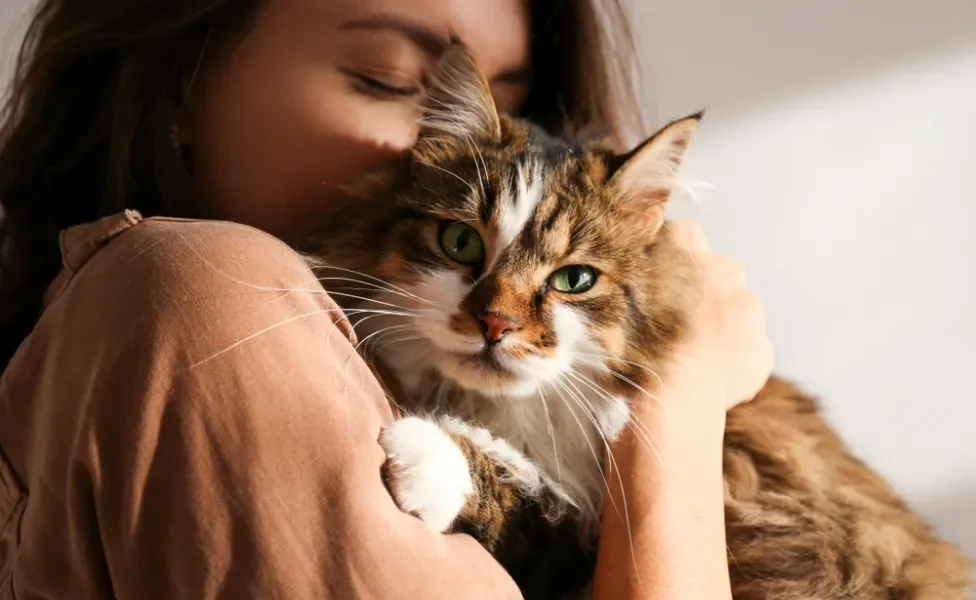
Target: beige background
x=840 y=141
x=12 y=23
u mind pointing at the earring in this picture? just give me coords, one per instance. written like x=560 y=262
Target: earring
x=174 y=138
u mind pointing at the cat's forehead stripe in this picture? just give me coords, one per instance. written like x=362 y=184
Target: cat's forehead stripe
x=518 y=202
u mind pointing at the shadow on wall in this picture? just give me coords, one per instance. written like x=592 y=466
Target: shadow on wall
x=752 y=52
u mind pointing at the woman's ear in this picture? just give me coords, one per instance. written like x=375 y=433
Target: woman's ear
x=171 y=126
x=646 y=175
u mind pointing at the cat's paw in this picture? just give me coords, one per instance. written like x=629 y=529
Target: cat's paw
x=425 y=471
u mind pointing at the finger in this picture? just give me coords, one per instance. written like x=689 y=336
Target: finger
x=689 y=236
x=769 y=355
x=762 y=377
x=727 y=275
x=755 y=365
x=747 y=309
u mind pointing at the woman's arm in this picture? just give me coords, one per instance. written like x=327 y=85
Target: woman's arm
x=227 y=436
x=671 y=543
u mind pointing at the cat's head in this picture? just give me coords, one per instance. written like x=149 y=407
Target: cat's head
x=503 y=258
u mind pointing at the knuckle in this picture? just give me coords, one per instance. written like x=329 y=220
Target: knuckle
x=689 y=235
x=731 y=268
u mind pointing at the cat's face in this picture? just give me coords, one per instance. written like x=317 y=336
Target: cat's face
x=511 y=260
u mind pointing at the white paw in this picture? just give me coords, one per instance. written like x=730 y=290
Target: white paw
x=427 y=473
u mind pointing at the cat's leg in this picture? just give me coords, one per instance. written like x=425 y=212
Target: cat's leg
x=456 y=477
x=426 y=471
x=459 y=478
x=505 y=481
x=524 y=519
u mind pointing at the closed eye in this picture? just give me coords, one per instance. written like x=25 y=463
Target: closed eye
x=380 y=86
x=385 y=88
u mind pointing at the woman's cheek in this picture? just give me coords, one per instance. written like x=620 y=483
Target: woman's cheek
x=388 y=127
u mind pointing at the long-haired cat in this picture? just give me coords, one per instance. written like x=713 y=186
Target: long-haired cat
x=528 y=292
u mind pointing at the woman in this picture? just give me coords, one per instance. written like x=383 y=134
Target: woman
x=181 y=415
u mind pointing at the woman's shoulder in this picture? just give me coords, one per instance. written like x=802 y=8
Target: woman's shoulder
x=202 y=317
x=161 y=252
x=207 y=280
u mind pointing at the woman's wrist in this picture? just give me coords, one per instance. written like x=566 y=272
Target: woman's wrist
x=667 y=471
x=673 y=447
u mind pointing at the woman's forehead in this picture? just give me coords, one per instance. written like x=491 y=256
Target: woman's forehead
x=496 y=32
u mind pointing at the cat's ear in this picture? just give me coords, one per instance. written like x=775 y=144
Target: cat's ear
x=646 y=175
x=459 y=104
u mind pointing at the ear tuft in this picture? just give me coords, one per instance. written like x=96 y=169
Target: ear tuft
x=647 y=175
x=459 y=102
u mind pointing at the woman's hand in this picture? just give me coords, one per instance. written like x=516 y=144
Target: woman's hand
x=667 y=467
x=727 y=346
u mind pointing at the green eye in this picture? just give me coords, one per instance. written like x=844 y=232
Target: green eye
x=574 y=279
x=462 y=243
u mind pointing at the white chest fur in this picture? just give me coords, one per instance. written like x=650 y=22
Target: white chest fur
x=563 y=430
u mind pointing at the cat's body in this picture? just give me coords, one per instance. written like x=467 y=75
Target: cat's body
x=527 y=292
x=806 y=519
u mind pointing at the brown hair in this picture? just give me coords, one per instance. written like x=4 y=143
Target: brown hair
x=77 y=136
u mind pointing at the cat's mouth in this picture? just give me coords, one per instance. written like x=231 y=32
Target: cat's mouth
x=474 y=364
x=489 y=360
x=488 y=371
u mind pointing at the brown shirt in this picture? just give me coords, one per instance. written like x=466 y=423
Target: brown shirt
x=189 y=420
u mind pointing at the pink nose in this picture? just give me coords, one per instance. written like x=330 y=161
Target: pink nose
x=495 y=327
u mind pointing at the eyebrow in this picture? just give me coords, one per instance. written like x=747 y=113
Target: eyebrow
x=425 y=37
x=428 y=40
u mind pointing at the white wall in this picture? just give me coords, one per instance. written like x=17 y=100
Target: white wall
x=13 y=20
x=840 y=140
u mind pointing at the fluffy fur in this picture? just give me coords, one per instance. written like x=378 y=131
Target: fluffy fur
x=529 y=380
x=426 y=471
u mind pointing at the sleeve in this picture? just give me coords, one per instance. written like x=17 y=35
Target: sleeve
x=231 y=438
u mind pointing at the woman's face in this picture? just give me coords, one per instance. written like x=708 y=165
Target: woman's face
x=320 y=90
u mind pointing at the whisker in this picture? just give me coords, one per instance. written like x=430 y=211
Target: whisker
x=644 y=435
x=390 y=304
x=625 y=379
x=575 y=418
x=345 y=288
x=374 y=286
x=596 y=426
x=474 y=148
x=613 y=466
x=370 y=349
x=590 y=411
x=370 y=277
x=550 y=429
x=247 y=338
x=643 y=432
x=451 y=173
x=587 y=411
x=378 y=311
x=364 y=340
x=404 y=339
x=660 y=381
